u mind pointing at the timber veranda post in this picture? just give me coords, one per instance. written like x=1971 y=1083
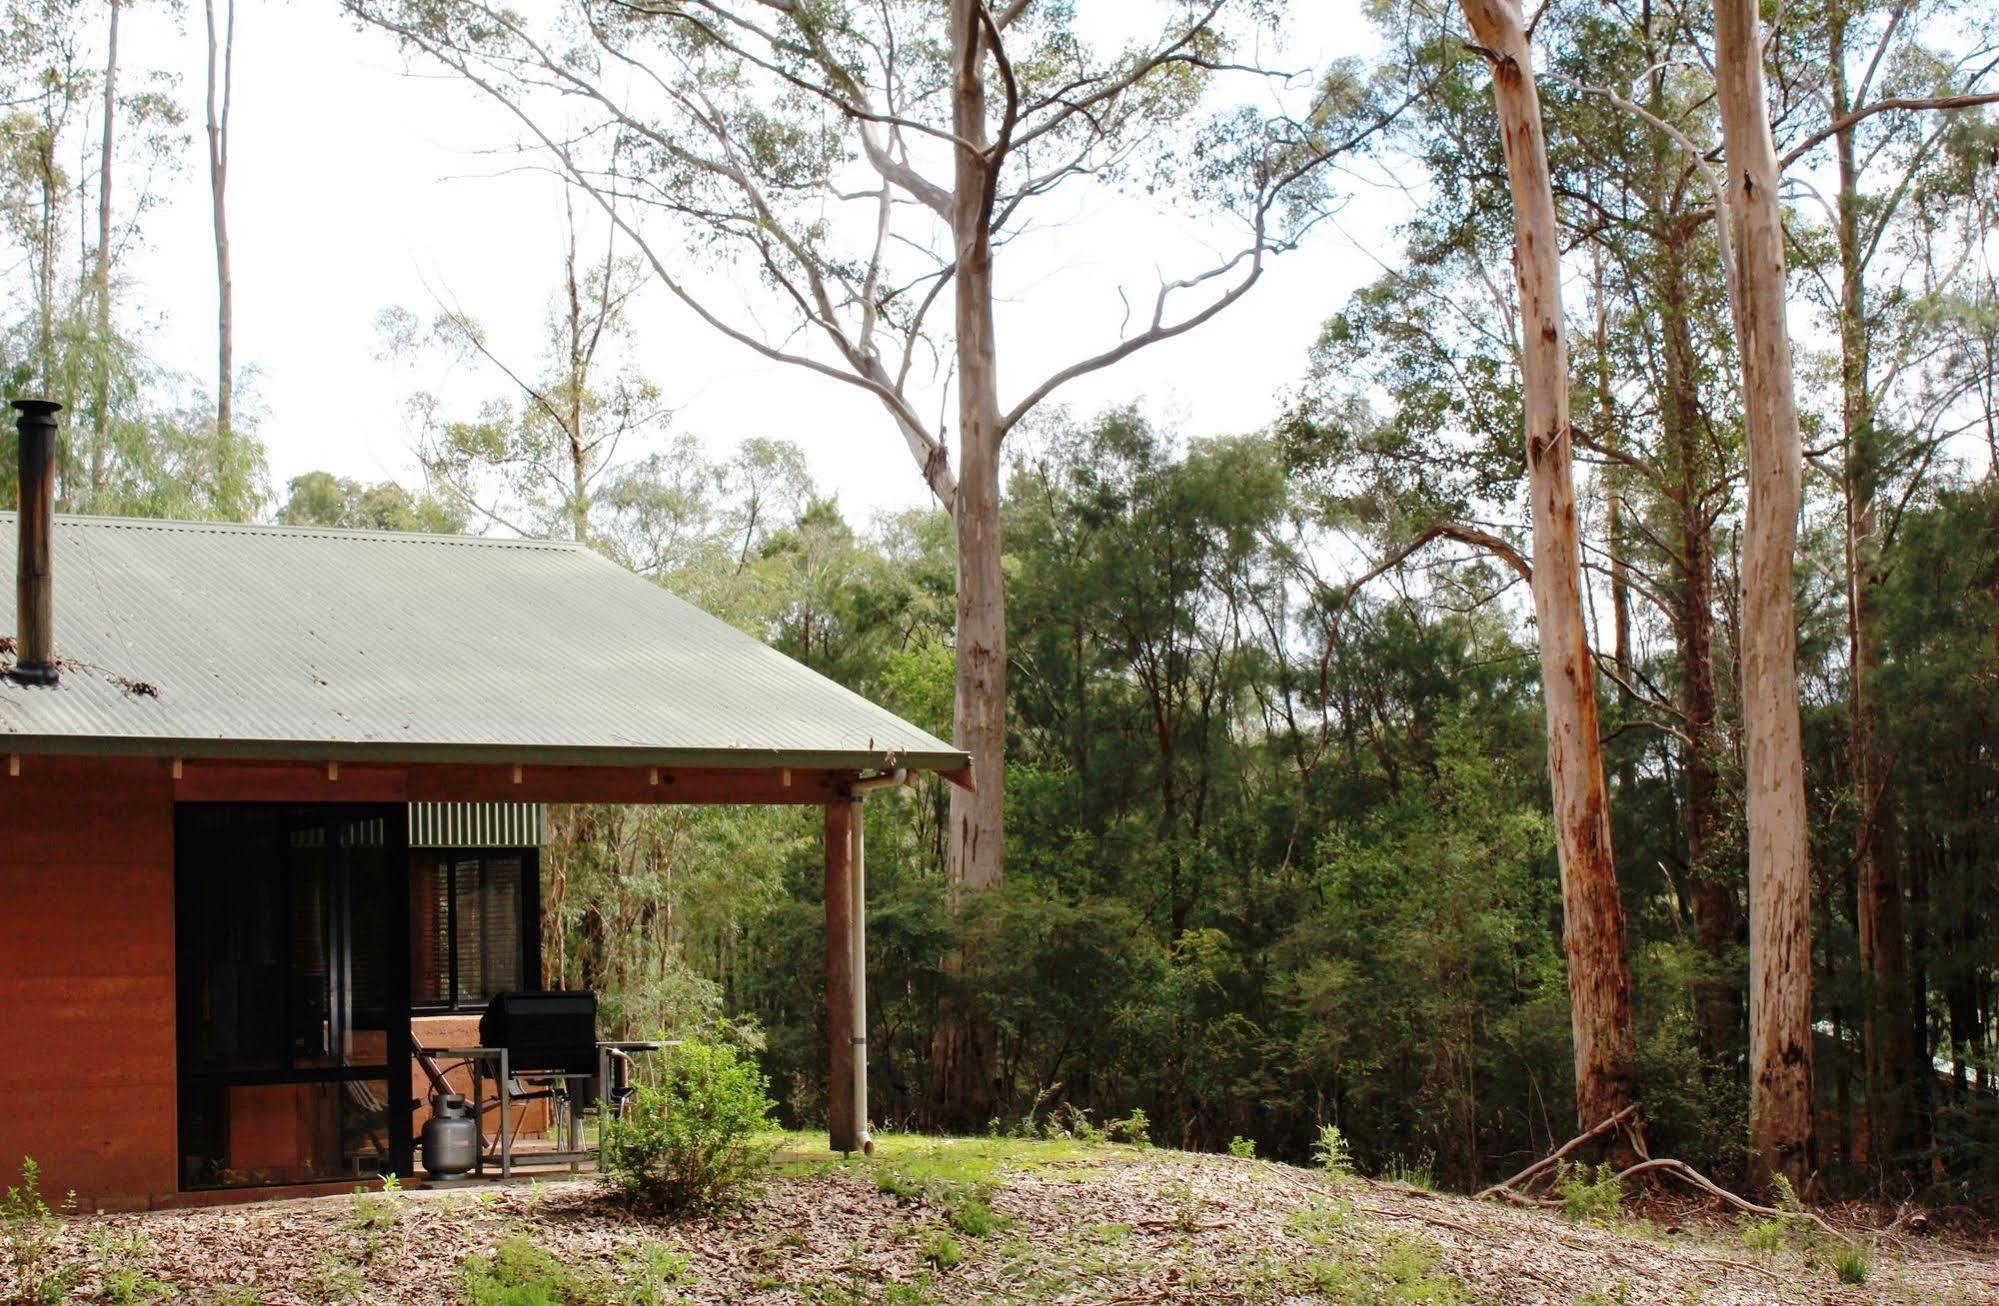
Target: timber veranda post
x=846 y=977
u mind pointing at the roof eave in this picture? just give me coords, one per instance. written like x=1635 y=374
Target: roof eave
x=949 y=763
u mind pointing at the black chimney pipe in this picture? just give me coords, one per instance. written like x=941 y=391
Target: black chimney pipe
x=34 y=592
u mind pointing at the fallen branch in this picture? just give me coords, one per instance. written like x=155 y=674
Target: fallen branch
x=1681 y=1170
x=1553 y=1158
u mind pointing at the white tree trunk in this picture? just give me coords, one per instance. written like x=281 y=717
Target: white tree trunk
x=220 y=81
x=1780 y=922
x=962 y=1053
x=1592 y=907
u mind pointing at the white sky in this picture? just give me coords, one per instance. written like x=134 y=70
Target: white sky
x=355 y=186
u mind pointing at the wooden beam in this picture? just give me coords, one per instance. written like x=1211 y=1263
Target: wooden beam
x=440 y=783
x=198 y=781
x=843 y=1120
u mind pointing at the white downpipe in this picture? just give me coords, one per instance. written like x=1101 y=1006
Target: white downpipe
x=857 y=942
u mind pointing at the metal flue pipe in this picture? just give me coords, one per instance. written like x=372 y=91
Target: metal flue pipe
x=34 y=577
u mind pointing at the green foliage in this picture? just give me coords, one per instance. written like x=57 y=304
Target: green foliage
x=1242 y=1147
x=1851 y=1263
x=1765 y=1235
x=1592 y=1195
x=124 y=1268
x=1135 y=1128
x=1403 y=1271
x=335 y=1278
x=695 y=1139
x=235 y=1294
x=1415 y=1172
x=30 y=1236
x=960 y=1193
x=323 y=499
x=940 y=1249
x=518 y=1272
x=1330 y=1152
x=1618 y=1294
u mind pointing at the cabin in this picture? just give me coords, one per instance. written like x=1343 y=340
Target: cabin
x=271 y=805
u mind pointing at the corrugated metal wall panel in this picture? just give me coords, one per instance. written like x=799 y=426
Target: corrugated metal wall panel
x=476 y=825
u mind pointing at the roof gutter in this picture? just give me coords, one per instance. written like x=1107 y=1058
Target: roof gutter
x=499 y=754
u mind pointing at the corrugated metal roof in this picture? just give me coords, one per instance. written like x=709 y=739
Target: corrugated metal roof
x=475 y=825
x=260 y=641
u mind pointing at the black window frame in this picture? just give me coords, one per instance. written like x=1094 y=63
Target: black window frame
x=530 y=887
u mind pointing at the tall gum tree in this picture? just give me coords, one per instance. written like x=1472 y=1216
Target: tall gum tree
x=1592 y=906
x=1781 y=1125
x=863 y=161
x=1891 y=74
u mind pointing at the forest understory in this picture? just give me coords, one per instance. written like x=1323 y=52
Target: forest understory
x=1006 y=1220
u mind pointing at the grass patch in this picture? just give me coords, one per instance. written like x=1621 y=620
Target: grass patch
x=1411 y=1172
x=980 y=1159
x=124 y=1269
x=519 y=1272
x=957 y=1185
x=1405 y=1271
x=941 y=1249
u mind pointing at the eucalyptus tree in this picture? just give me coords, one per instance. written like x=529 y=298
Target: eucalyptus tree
x=323 y=499
x=1633 y=129
x=869 y=162
x=1888 y=91
x=1592 y=904
x=532 y=459
x=85 y=143
x=217 y=103
x=1782 y=1130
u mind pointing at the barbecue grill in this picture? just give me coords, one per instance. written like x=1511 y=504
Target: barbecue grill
x=551 y=1033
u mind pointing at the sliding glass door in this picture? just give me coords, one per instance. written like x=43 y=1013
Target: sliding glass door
x=292 y=929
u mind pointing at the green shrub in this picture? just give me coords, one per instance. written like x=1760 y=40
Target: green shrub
x=337 y=1279
x=234 y=1294
x=1330 y=1153
x=29 y=1233
x=1243 y=1147
x=1590 y=1195
x=1850 y=1262
x=698 y=1138
x=1135 y=1129
x=1764 y=1235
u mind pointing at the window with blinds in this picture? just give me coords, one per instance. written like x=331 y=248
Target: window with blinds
x=471 y=927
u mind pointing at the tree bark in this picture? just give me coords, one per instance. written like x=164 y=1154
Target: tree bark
x=1885 y=1022
x=962 y=1050
x=1781 y=1124
x=1592 y=907
x=579 y=379
x=100 y=409
x=218 y=184
x=1717 y=916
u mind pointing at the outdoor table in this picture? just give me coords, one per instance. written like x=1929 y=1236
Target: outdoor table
x=570 y=1149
